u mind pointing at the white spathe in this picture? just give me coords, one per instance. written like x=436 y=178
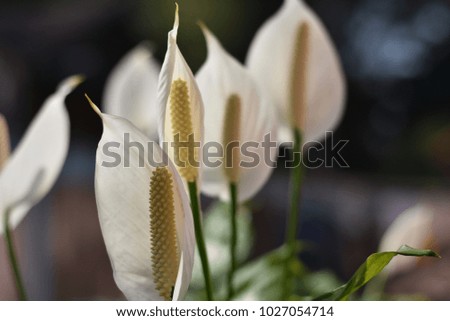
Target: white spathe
x=270 y=60
x=122 y=193
x=413 y=227
x=175 y=67
x=131 y=90
x=220 y=77
x=35 y=164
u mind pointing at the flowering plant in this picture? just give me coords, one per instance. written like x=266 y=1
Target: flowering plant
x=154 y=161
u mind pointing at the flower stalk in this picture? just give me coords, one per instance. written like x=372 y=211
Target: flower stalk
x=13 y=259
x=231 y=136
x=233 y=241
x=195 y=206
x=293 y=218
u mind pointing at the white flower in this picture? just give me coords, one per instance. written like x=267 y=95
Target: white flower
x=131 y=90
x=181 y=109
x=144 y=214
x=28 y=175
x=293 y=59
x=236 y=111
x=413 y=227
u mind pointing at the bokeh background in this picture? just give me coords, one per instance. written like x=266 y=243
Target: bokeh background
x=396 y=56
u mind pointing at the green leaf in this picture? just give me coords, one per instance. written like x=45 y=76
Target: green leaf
x=217 y=232
x=315 y=283
x=374 y=264
x=262 y=278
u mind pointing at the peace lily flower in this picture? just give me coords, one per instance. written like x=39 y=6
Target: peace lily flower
x=181 y=130
x=29 y=173
x=144 y=216
x=237 y=113
x=413 y=227
x=181 y=109
x=293 y=59
x=131 y=90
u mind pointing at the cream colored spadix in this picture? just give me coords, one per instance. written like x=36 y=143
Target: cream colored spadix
x=294 y=60
x=299 y=74
x=144 y=214
x=5 y=144
x=232 y=134
x=180 y=114
x=131 y=90
x=165 y=253
x=236 y=111
x=413 y=227
x=181 y=109
x=34 y=165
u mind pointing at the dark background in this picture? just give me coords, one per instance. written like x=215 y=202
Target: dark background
x=396 y=56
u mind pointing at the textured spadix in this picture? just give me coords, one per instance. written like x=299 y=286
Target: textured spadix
x=5 y=144
x=279 y=50
x=225 y=84
x=131 y=90
x=165 y=253
x=231 y=135
x=126 y=202
x=35 y=164
x=180 y=114
x=175 y=73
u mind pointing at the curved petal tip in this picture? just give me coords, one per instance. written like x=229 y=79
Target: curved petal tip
x=204 y=28
x=176 y=22
x=211 y=40
x=68 y=84
x=93 y=106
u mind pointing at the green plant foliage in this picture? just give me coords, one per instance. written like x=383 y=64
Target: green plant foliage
x=262 y=278
x=374 y=264
x=217 y=231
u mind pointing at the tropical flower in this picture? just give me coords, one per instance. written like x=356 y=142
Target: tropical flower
x=144 y=215
x=293 y=59
x=413 y=227
x=28 y=174
x=237 y=114
x=181 y=131
x=181 y=110
x=131 y=90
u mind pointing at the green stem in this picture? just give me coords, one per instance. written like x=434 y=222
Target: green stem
x=233 y=213
x=296 y=181
x=13 y=259
x=195 y=205
x=293 y=218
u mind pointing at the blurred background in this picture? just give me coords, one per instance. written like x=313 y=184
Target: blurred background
x=396 y=56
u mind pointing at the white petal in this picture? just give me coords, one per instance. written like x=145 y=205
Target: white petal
x=175 y=67
x=270 y=61
x=38 y=159
x=413 y=227
x=185 y=234
x=122 y=194
x=220 y=77
x=131 y=90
